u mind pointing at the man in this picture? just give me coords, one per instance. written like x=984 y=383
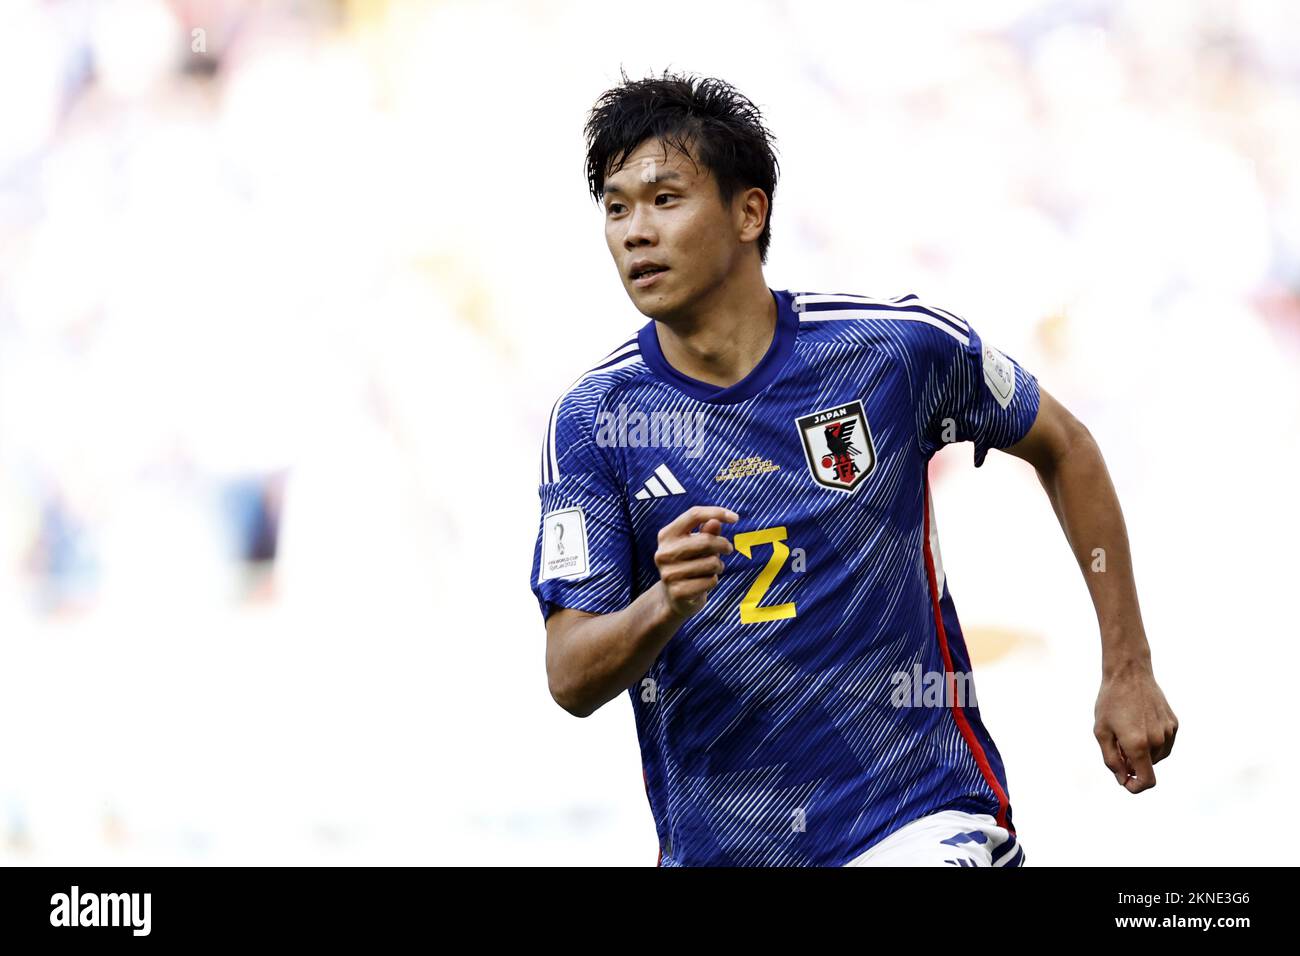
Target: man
x=737 y=527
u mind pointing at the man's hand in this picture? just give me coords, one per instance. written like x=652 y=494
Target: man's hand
x=1134 y=726
x=1133 y=722
x=592 y=658
x=690 y=563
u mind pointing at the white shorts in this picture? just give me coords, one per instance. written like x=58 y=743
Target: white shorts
x=947 y=838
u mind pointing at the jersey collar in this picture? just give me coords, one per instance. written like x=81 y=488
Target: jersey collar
x=787 y=325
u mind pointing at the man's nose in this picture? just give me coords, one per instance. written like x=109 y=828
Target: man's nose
x=640 y=228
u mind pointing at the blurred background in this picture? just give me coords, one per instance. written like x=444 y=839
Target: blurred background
x=287 y=291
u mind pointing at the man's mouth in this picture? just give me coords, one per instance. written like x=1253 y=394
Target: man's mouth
x=648 y=272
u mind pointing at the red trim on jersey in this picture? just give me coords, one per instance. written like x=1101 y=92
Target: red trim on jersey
x=958 y=714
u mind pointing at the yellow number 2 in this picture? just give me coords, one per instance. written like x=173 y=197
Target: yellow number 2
x=750 y=612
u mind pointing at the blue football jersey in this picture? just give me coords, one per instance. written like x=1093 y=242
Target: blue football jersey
x=822 y=697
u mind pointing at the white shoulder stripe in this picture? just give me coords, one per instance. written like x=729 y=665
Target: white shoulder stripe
x=622 y=357
x=948 y=315
x=818 y=298
x=836 y=315
x=910 y=302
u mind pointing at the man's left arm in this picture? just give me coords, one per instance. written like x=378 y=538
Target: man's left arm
x=1134 y=724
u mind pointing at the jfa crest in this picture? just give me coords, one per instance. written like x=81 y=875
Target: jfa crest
x=837 y=444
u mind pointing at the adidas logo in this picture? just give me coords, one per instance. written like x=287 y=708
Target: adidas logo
x=660 y=485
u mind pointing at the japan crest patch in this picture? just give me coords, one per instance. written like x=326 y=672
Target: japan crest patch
x=837 y=445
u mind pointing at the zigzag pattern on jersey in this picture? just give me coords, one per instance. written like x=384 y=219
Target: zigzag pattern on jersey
x=747 y=811
x=756 y=674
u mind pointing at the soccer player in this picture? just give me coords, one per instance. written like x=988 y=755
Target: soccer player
x=737 y=528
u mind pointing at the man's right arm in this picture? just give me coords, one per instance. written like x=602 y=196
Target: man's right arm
x=592 y=658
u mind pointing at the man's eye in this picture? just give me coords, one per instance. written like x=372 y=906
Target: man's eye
x=617 y=207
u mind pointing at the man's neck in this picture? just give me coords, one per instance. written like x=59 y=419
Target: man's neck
x=726 y=338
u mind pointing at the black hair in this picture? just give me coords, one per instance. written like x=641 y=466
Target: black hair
x=722 y=125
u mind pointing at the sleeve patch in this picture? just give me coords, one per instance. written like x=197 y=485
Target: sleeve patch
x=999 y=375
x=564 y=545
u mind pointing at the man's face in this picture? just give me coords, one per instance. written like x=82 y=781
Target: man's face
x=665 y=210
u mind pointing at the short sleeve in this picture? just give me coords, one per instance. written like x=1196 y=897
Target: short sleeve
x=969 y=390
x=583 y=556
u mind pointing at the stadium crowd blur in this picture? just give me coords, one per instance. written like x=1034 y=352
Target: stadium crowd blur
x=286 y=292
